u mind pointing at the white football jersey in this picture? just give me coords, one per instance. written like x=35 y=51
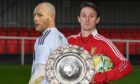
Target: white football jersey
x=50 y=40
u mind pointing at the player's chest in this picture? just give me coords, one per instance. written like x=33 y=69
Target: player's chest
x=93 y=47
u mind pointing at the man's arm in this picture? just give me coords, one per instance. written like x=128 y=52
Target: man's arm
x=38 y=75
x=122 y=67
x=41 y=56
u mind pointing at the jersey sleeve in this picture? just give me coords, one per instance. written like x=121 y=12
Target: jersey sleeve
x=43 y=53
x=122 y=66
x=51 y=43
x=44 y=49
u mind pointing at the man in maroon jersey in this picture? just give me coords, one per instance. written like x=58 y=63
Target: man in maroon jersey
x=94 y=43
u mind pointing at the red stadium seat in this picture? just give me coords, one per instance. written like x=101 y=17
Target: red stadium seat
x=103 y=30
x=136 y=36
x=75 y=31
x=127 y=36
x=2 y=32
x=2 y=46
x=24 y=32
x=114 y=31
x=138 y=48
x=12 y=46
x=32 y=45
x=120 y=46
x=135 y=31
x=116 y=36
x=12 y=32
x=106 y=35
x=132 y=48
x=34 y=33
x=66 y=31
x=27 y=46
x=126 y=30
x=2 y=41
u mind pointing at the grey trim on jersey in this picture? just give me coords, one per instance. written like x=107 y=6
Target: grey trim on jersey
x=42 y=38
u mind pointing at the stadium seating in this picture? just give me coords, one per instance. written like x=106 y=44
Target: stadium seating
x=132 y=48
x=24 y=33
x=138 y=48
x=12 y=32
x=66 y=31
x=120 y=46
x=33 y=33
x=2 y=46
x=32 y=45
x=2 y=41
x=13 y=46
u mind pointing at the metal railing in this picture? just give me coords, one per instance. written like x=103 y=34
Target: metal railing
x=127 y=41
x=33 y=38
x=22 y=44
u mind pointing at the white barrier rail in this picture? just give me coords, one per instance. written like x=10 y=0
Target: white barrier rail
x=127 y=41
x=22 y=44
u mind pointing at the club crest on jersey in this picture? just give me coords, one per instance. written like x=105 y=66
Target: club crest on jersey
x=92 y=52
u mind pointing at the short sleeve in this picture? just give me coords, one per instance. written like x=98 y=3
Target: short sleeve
x=43 y=53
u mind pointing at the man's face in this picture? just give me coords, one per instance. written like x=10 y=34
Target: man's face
x=88 y=19
x=41 y=18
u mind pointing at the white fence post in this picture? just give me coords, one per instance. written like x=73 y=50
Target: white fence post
x=127 y=50
x=22 y=52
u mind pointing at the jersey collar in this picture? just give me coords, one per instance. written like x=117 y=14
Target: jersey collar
x=94 y=33
x=48 y=29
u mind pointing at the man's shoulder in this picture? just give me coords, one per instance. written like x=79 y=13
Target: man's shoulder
x=73 y=39
x=41 y=39
x=74 y=36
x=102 y=40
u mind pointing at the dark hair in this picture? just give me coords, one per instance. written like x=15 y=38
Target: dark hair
x=91 y=5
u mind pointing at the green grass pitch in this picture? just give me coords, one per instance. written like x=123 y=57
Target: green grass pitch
x=16 y=74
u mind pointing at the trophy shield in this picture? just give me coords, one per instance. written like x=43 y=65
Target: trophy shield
x=69 y=64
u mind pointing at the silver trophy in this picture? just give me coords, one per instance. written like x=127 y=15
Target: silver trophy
x=69 y=65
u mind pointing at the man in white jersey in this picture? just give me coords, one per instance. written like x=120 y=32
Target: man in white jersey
x=51 y=39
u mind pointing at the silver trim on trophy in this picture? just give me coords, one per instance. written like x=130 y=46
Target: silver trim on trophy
x=70 y=64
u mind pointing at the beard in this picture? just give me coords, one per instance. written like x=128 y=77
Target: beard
x=41 y=27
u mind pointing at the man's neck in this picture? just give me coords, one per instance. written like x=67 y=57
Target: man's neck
x=51 y=25
x=86 y=33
